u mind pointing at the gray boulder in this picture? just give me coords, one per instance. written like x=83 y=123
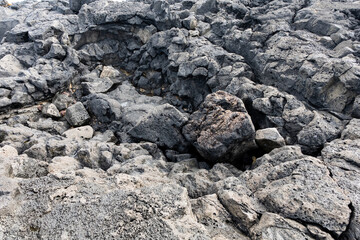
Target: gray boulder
x=162 y=125
x=269 y=138
x=299 y=187
x=342 y=158
x=77 y=115
x=352 y=130
x=221 y=130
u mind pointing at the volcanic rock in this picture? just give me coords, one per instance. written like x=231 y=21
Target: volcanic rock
x=77 y=115
x=221 y=130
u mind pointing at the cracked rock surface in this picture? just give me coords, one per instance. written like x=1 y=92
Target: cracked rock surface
x=171 y=119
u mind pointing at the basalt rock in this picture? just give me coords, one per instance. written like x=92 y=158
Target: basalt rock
x=173 y=93
x=221 y=130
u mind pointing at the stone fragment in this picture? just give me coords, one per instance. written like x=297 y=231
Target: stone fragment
x=50 y=110
x=221 y=130
x=85 y=132
x=77 y=115
x=10 y=66
x=240 y=207
x=269 y=138
x=352 y=130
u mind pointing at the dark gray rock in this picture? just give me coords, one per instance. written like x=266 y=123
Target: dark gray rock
x=62 y=101
x=77 y=115
x=162 y=125
x=221 y=130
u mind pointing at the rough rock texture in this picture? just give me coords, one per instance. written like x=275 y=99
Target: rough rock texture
x=221 y=130
x=150 y=119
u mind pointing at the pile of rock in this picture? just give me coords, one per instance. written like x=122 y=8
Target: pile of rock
x=126 y=119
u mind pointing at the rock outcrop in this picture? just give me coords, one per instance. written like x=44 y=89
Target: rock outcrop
x=160 y=119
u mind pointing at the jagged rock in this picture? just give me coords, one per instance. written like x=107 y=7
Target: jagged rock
x=272 y=226
x=352 y=130
x=96 y=85
x=240 y=208
x=24 y=167
x=50 y=110
x=342 y=159
x=269 y=138
x=109 y=72
x=107 y=136
x=56 y=51
x=221 y=130
x=294 y=65
x=77 y=115
x=62 y=101
x=162 y=125
x=210 y=212
x=49 y=125
x=294 y=185
x=10 y=66
x=85 y=132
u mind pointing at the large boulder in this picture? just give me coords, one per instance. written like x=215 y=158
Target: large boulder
x=299 y=187
x=342 y=157
x=221 y=130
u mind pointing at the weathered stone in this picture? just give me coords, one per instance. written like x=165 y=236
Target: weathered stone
x=50 y=110
x=10 y=66
x=62 y=101
x=77 y=115
x=269 y=138
x=221 y=130
x=162 y=125
x=85 y=132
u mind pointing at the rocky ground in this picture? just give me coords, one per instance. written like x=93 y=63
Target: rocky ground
x=170 y=119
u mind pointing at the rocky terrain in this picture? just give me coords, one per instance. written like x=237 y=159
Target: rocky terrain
x=171 y=119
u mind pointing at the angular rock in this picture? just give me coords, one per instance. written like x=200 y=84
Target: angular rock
x=85 y=132
x=162 y=125
x=352 y=130
x=77 y=115
x=269 y=139
x=10 y=66
x=210 y=212
x=240 y=208
x=342 y=158
x=297 y=186
x=272 y=226
x=50 y=110
x=62 y=101
x=221 y=130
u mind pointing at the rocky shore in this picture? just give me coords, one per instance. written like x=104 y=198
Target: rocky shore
x=180 y=119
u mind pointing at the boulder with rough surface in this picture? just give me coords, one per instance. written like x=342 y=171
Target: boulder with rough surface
x=221 y=130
